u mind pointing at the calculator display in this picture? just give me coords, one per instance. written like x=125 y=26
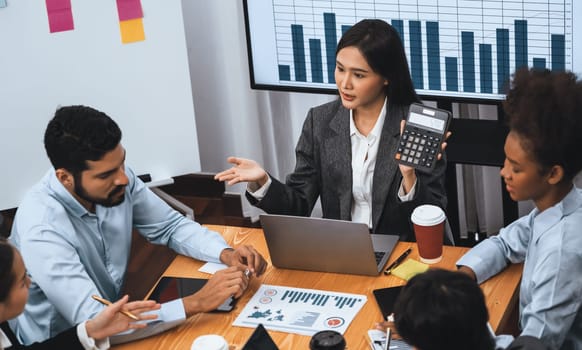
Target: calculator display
x=428 y=122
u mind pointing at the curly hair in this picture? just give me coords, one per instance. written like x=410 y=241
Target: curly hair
x=441 y=309
x=545 y=109
x=6 y=262
x=77 y=134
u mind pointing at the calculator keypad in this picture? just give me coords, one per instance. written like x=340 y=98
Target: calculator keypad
x=418 y=148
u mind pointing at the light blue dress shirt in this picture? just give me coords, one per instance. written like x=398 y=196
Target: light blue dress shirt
x=550 y=245
x=71 y=253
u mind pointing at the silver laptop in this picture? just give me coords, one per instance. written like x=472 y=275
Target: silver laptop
x=315 y=244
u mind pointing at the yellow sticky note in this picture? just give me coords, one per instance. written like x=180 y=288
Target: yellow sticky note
x=132 y=30
x=409 y=269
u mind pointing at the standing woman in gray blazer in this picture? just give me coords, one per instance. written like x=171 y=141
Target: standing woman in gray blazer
x=345 y=153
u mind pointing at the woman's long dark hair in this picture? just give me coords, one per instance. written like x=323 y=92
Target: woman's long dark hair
x=380 y=44
x=6 y=262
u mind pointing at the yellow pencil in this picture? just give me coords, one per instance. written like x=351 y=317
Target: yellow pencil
x=107 y=302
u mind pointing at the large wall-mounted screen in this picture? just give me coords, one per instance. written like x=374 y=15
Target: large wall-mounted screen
x=458 y=49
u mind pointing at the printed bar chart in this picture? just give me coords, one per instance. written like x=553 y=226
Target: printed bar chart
x=454 y=47
x=300 y=310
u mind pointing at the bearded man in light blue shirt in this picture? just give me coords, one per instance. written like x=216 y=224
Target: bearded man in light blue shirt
x=74 y=232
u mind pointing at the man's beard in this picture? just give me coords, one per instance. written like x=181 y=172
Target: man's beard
x=108 y=202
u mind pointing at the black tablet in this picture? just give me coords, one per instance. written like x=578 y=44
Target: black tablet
x=170 y=288
x=386 y=298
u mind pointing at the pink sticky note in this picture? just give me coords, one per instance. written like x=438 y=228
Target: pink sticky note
x=53 y=5
x=129 y=9
x=60 y=21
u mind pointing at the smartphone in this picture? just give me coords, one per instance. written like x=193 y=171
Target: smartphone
x=171 y=288
x=422 y=137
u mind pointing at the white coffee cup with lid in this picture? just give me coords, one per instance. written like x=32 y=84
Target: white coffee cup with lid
x=210 y=342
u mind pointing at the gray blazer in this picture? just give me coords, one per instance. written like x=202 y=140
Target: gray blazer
x=323 y=169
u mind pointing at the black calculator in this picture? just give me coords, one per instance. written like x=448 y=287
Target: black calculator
x=423 y=134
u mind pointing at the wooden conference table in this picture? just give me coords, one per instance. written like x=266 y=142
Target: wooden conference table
x=501 y=294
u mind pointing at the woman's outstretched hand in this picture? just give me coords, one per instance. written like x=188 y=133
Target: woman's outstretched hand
x=243 y=170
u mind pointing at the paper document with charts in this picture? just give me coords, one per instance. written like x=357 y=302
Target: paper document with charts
x=301 y=311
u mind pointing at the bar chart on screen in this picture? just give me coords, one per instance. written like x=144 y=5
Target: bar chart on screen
x=461 y=48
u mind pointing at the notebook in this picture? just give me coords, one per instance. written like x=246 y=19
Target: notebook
x=316 y=244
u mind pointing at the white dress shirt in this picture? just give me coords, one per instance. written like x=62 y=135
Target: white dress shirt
x=88 y=342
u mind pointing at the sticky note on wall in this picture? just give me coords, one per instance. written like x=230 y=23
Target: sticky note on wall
x=130 y=21
x=132 y=31
x=129 y=9
x=60 y=15
x=3 y=3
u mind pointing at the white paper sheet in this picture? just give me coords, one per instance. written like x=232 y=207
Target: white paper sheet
x=301 y=311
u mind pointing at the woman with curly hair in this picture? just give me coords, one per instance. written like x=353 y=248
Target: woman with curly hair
x=542 y=153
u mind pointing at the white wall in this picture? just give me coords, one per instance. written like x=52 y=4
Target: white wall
x=144 y=86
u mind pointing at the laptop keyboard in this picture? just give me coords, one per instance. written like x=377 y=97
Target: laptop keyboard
x=379 y=256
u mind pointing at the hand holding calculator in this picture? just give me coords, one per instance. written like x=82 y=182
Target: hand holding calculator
x=422 y=137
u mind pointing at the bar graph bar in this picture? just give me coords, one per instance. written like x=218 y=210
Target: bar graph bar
x=459 y=47
x=468 y=47
x=316 y=65
x=558 y=52
x=284 y=72
x=520 y=43
x=452 y=74
x=485 y=63
x=330 y=44
x=416 y=54
x=502 y=59
x=433 y=54
x=539 y=63
x=298 y=52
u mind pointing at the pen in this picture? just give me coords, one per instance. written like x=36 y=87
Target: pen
x=397 y=261
x=388 y=338
x=107 y=302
